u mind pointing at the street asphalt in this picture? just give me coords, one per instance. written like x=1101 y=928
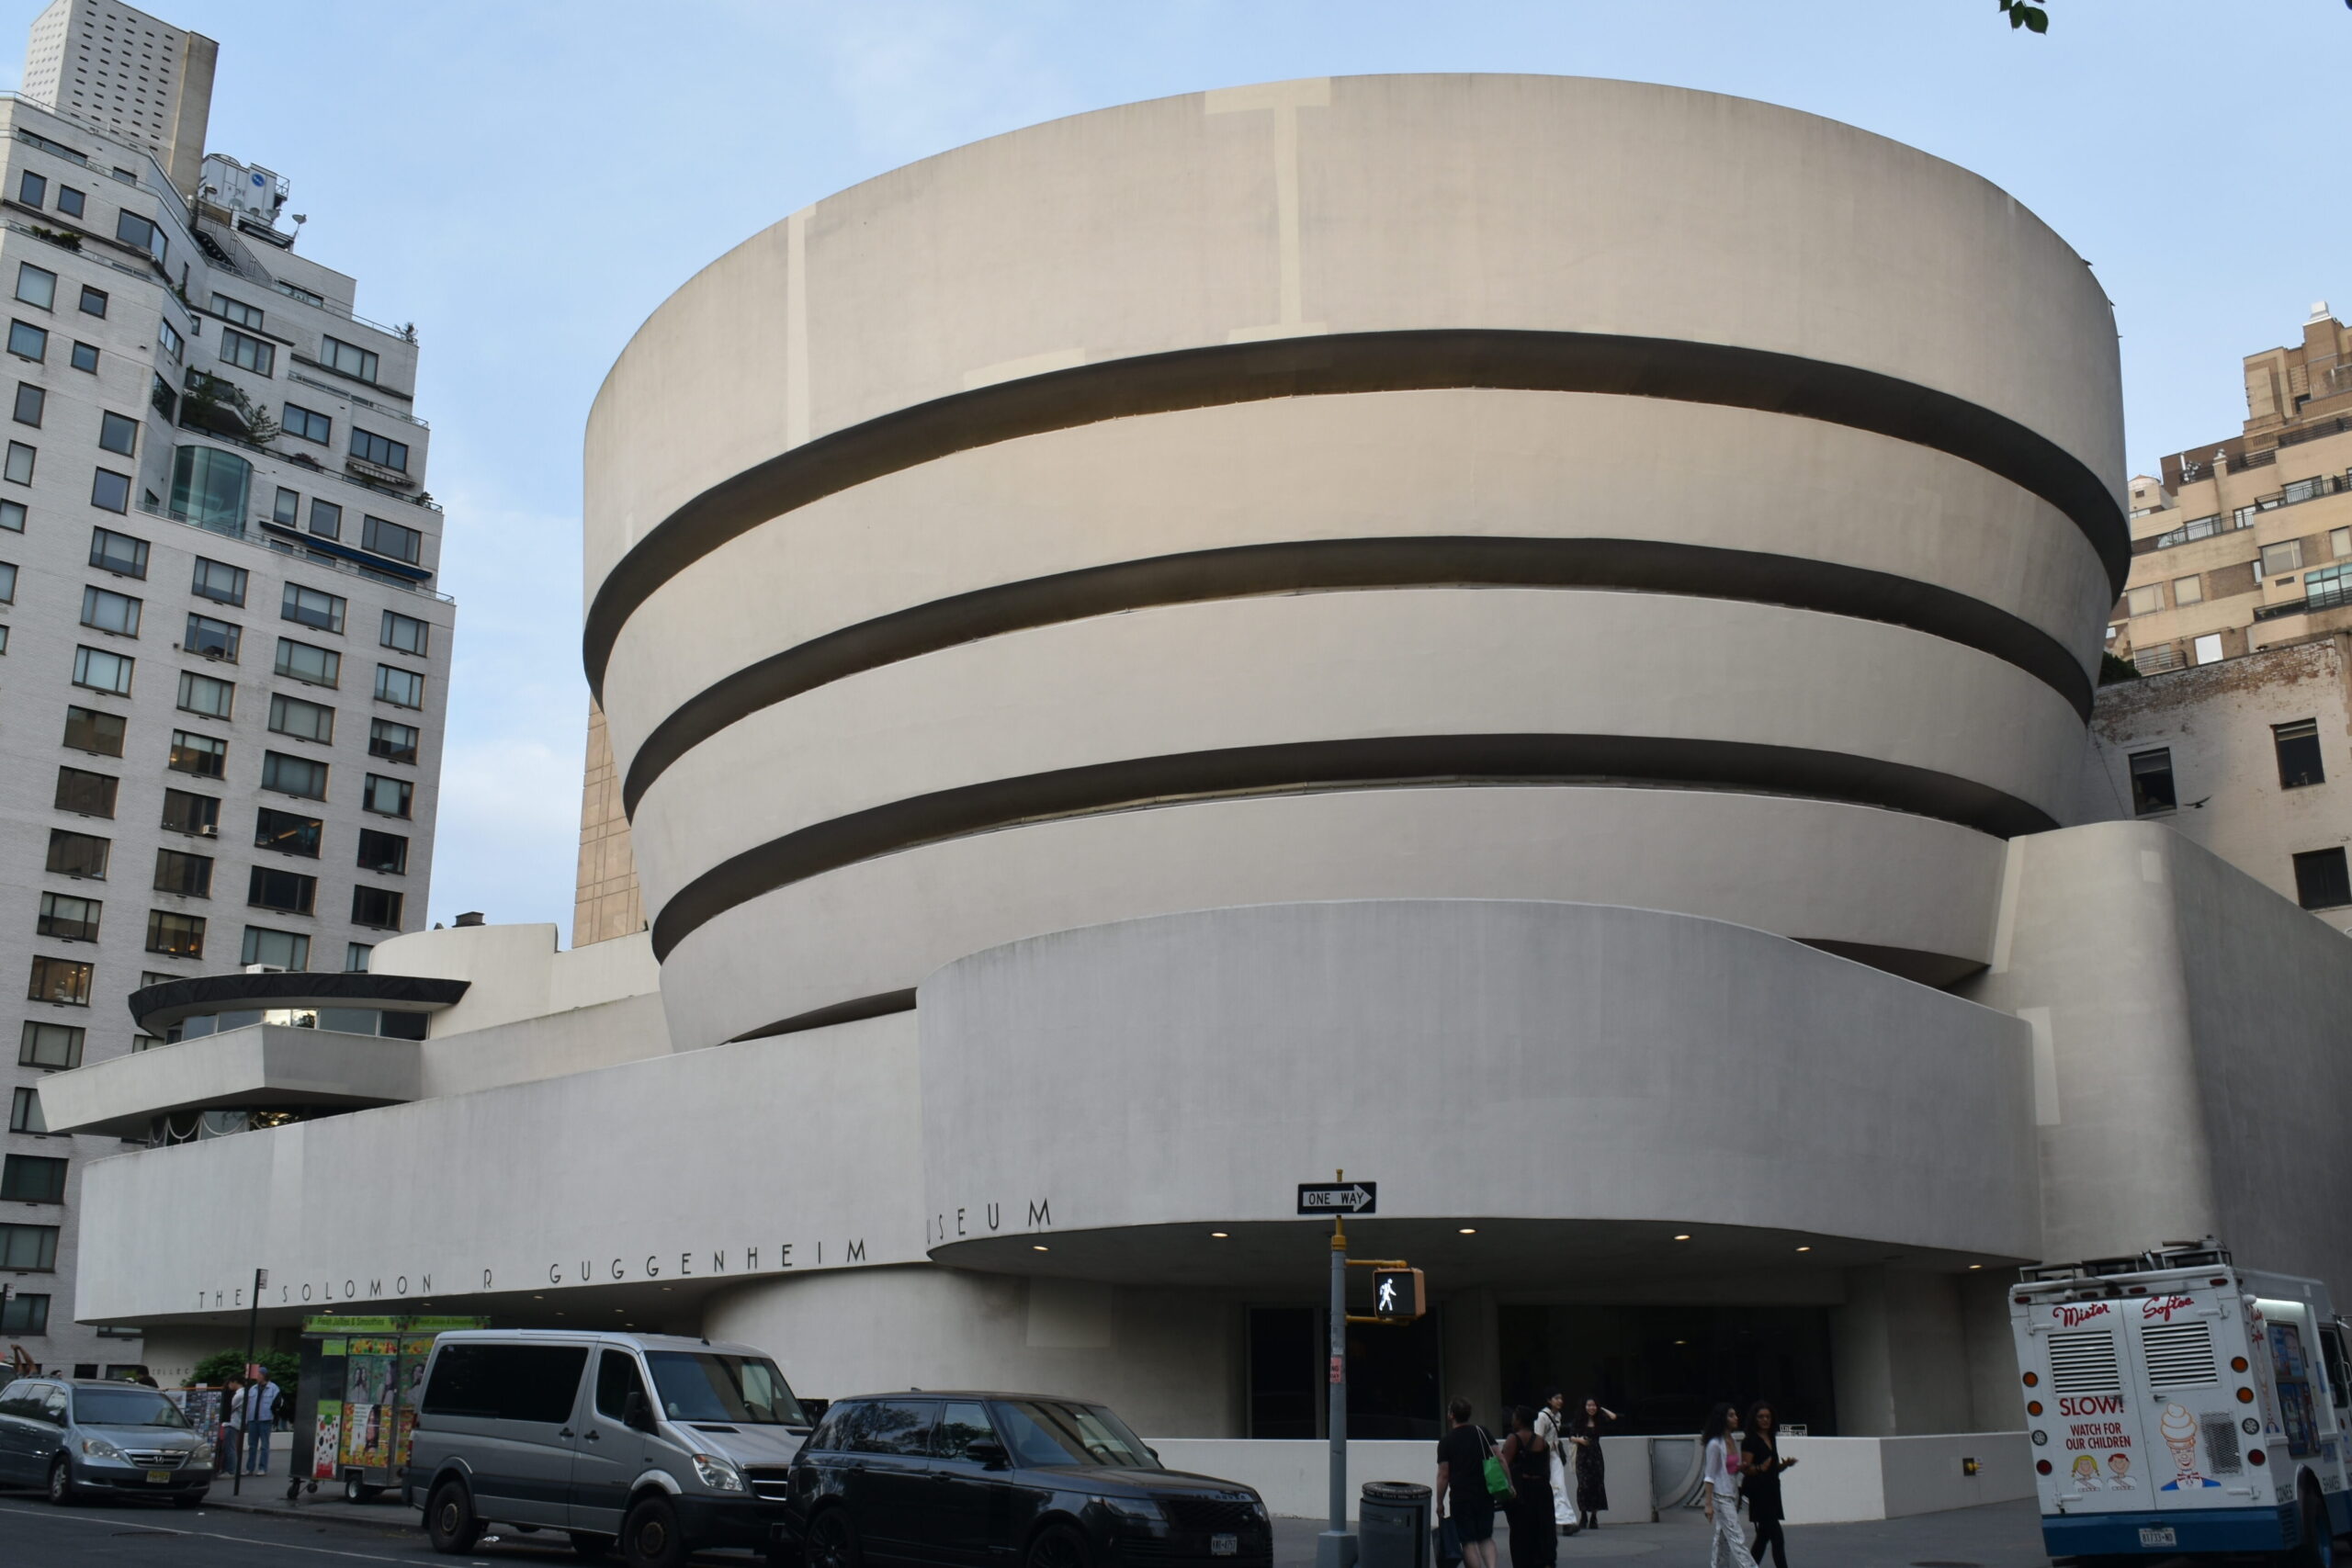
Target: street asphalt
x=268 y=1533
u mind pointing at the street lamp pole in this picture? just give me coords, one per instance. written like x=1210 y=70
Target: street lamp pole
x=252 y=1332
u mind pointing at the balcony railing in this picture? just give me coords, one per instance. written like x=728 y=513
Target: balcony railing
x=347 y=393
x=2193 y=530
x=254 y=540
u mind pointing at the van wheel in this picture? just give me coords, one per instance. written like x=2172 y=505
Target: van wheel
x=832 y=1541
x=62 y=1489
x=1057 y=1548
x=449 y=1519
x=2317 y=1547
x=649 y=1537
x=594 y=1548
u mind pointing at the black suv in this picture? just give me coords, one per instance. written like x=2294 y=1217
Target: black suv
x=972 y=1479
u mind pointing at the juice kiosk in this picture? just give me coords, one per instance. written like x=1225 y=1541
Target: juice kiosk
x=361 y=1377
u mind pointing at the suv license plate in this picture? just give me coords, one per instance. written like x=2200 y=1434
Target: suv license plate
x=159 y=1478
x=1225 y=1546
x=2163 y=1536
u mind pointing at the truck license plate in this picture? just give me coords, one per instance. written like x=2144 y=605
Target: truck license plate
x=2163 y=1535
x=159 y=1478
x=1225 y=1546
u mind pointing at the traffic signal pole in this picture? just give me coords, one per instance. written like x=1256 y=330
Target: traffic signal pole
x=1336 y=1548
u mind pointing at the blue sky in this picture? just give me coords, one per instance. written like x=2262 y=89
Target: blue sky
x=526 y=181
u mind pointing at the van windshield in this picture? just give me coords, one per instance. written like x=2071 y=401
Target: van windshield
x=126 y=1406
x=704 y=1385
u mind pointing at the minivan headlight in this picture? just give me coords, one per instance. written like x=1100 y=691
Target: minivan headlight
x=201 y=1455
x=98 y=1447
x=717 y=1473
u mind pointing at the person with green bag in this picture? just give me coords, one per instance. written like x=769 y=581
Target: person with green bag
x=1465 y=1487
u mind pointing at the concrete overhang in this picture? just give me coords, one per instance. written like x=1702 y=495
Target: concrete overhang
x=157 y=1007
x=258 y=1067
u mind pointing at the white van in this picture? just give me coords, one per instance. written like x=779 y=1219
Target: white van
x=660 y=1445
x=2180 y=1404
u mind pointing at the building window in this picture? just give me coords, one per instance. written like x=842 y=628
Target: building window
x=187 y=813
x=7 y=582
x=102 y=671
x=32 y=402
x=24 y=1110
x=304 y=721
x=167 y=338
x=88 y=729
x=2209 y=648
x=133 y=229
x=32 y=1179
x=391 y=539
x=248 y=353
x=312 y=608
x=12 y=516
x=402 y=688
x=236 y=311
x=117 y=553
x=78 y=854
x=212 y=638
x=287 y=510
x=85 y=357
x=2322 y=881
x=294 y=775
x=2277 y=559
x=394 y=743
x=106 y=610
x=2143 y=600
x=406 y=633
x=2299 y=760
x=111 y=491
x=286 y=834
x=2339 y=543
x=188 y=875
x=308 y=425
x=388 y=797
x=32 y=189
x=2326 y=587
x=66 y=918
x=385 y=852
x=289 y=892
x=380 y=450
x=204 y=695
x=174 y=935
x=119 y=434
x=209 y=488
x=69 y=201
x=336 y=355
x=28 y=342
x=215 y=580
x=66 y=981
x=377 y=907
x=202 y=755
x=354 y=962
x=279 y=949
x=36 y=286
x=28 y=1314
x=20 y=470
x=31 y=1249
x=57 y=1047
x=303 y=662
x=88 y=794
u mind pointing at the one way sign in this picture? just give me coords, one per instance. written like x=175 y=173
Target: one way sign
x=1339 y=1197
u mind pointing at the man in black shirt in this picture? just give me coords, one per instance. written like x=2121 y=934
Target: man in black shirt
x=1462 y=1486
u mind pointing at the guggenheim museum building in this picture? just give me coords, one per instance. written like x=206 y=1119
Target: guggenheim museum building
x=1524 y=639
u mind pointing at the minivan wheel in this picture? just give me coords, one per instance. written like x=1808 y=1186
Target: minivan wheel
x=649 y=1537
x=449 y=1519
x=62 y=1489
x=832 y=1541
x=1057 y=1548
x=594 y=1548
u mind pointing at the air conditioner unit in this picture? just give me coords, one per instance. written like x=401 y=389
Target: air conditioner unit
x=265 y=969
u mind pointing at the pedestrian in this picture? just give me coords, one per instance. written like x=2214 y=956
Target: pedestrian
x=1462 y=1491
x=232 y=1445
x=1762 y=1467
x=1721 y=1489
x=1527 y=1458
x=1551 y=1425
x=260 y=1409
x=1584 y=1431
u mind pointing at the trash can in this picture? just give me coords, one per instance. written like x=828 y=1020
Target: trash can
x=1393 y=1526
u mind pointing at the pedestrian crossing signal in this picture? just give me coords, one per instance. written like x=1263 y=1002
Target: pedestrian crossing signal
x=1397 y=1294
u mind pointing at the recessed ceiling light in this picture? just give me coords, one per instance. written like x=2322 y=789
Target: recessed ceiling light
x=1219 y=1235
x=1976 y=1266
x=1682 y=1238
x=1034 y=1247
x=539 y=1297
x=1804 y=1249
x=1683 y=1342
x=1469 y=1230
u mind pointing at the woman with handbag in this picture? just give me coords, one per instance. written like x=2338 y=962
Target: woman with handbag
x=1535 y=1538
x=1720 y=1489
x=1464 y=1494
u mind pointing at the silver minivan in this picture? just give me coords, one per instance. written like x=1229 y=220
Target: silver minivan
x=80 y=1438
x=660 y=1445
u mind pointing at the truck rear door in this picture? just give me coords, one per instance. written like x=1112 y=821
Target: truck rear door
x=2186 y=1349
x=2096 y=1447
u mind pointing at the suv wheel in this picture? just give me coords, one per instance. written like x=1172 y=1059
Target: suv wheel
x=649 y=1537
x=832 y=1541
x=1057 y=1548
x=62 y=1489
x=449 y=1519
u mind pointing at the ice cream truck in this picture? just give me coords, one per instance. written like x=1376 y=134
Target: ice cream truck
x=2177 y=1403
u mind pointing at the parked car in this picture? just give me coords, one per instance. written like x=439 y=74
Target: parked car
x=965 y=1479
x=83 y=1437
x=660 y=1445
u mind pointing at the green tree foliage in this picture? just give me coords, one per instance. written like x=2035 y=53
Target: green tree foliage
x=222 y=1365
x=2112 y=670
x=2032 y=18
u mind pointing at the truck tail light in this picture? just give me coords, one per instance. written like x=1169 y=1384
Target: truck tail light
x=2042 y=1467
x=2255 y=1456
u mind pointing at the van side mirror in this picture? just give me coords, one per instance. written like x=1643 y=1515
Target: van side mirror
x=985 y=1453
x=636 y=1412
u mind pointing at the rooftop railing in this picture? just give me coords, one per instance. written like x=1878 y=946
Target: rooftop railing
x=253 y=540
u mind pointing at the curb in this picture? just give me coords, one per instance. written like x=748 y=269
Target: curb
x=378 y=1516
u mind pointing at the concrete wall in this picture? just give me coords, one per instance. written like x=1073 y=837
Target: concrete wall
x=1844 y=1479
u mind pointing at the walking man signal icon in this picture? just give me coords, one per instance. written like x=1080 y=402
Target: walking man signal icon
x=1397 y=1294
x=1387 y=1303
